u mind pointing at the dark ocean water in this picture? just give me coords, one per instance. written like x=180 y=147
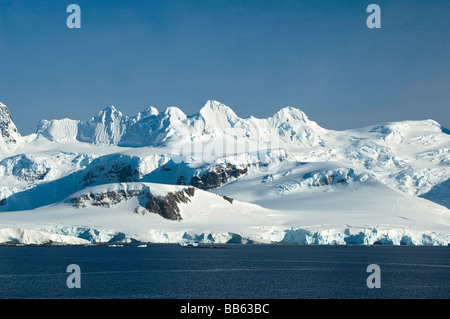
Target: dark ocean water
x=237 y=272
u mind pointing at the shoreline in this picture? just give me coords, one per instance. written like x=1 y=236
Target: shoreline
x=203 y=245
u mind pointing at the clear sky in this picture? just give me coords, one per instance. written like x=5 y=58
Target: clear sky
x=254 y=56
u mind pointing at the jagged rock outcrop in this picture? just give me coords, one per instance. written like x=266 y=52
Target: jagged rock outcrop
x=336 y=176
x=106 y=199
x=9 y=135
x=167 y=206
x=164 y=205
x=217 y=176
x=24 y=168
x=332 y=177
x=112 y=168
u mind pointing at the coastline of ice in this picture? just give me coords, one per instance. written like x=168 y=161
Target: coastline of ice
x=261 y=235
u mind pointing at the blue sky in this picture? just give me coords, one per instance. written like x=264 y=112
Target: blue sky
x=255 y=56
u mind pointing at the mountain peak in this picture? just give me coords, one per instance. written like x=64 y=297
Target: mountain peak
x=217 y=114
x=290 y=113
x=108 y=114
x=8 y=131
x=216 y=106
x=149 y=112
x=174 y=112
x=110 y=110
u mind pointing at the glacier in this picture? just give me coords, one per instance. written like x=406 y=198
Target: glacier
x=213 y=177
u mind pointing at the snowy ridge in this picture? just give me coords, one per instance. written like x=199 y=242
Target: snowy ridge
x=153 y=128
x=164 y=176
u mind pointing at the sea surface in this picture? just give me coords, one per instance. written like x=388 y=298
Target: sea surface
x=232 y=272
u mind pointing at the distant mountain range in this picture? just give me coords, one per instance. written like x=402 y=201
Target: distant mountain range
x=216 y=177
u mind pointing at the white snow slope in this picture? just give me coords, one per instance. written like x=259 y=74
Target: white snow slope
x=157 y=177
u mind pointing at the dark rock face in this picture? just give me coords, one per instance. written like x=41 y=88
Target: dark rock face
x=181 y=180
x=329 y=179
x=228 y=199
x=217 y=176
x=332 y=177
x=104 y=199
x=165 y=206
x=25 y=168
x=8 y=130
x=114 y=168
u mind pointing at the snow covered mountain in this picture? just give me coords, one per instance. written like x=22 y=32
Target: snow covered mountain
x=215 y=177
x=152 y=128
